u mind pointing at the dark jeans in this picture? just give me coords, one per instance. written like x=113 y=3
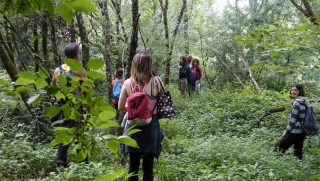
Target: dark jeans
x=147 y=164
x=62 y=155
x=290 y=139
x=63 y=150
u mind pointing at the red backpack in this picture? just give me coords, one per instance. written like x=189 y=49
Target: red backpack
x=139 y=113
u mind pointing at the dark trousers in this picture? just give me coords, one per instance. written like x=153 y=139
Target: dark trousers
x=290 y=139
x=147 y=164
x=62 y=155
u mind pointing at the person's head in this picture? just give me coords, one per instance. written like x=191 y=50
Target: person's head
x=72 y=51
x=183 y=60
x=118 y=73
x=195 y=63
x=141 y=67
x=124 y=64
x=189 y=59
x=297 y=90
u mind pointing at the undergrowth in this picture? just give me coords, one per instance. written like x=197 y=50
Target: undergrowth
x=216 y=135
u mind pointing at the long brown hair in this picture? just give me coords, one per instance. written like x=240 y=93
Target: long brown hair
x=141 y=68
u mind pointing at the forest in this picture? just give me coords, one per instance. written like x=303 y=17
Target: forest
x=251 y=52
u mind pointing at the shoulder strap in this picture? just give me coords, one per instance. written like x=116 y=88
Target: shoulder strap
x=157 y=78
x=135 y=88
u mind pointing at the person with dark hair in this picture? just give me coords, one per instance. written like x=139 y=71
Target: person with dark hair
x=72 y=52
x=293 y=134
x=150 y=136
x=183 y=76
x=191 y=80
x=197 y=73
x=118 y=77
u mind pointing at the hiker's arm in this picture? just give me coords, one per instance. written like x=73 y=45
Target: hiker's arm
x=55 y=75
x=123 y=96
x=273 y=110
x=82 y=74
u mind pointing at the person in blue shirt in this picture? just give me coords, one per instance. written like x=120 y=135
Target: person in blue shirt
x=293 y=134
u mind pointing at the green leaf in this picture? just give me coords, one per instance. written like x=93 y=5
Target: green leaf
x=98 y=101
x=113 y=146
x=28 y=75
x=49 y=6
x=43 y=73
x=107 y=115
x=3 y=82
x=130 y=131
x=81 y=156
x=315 y=149
x=40 y=4
x=34 y=100
x=52 y=90
x=22 y=89
x=24 y=81
x=51 y=111
x=94 y=111
x=128 y=141
x=40 y=83
x=95 y=64
x=87 y=82
x=104 y=124
x=94 y=74
x=65 y=11
x=83 y=6
x=62 y=79
x=74 y=64
x=105 y=107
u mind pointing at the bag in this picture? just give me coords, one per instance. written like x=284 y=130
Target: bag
x=139 y=113
x=309 y=126
x=164 y=103
x=116 y=90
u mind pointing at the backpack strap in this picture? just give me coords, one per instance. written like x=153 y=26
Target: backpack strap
x=135 y=88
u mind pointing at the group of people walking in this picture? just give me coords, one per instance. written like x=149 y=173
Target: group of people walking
x=190 y=75
x=150 y=137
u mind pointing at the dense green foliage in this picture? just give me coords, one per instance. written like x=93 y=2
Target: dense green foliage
x=215 y=136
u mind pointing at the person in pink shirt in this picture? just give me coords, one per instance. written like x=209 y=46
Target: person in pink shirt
x=197 y=72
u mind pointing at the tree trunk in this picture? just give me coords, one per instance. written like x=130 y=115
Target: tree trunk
x=134 y=34
x=73 y=32
x=185 y=28
x=308 y=12
x=107 y=56
x=56 y=56
x=246 y=66
x=44 y=41
x=225 y=65
x=36 y=45
x=169 y=45
x=11 y=69
x=84 y=40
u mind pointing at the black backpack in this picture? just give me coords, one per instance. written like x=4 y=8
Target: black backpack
x=309 y=125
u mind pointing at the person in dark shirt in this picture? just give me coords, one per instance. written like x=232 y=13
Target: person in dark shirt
x=183 y=76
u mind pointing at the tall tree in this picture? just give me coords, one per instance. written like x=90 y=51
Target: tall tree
x=185 y=28
x=134 y=34
x=107 y=45
x=84 y=40
x=170 y=43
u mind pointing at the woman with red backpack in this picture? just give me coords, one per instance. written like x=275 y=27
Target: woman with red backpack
x=149 y=138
